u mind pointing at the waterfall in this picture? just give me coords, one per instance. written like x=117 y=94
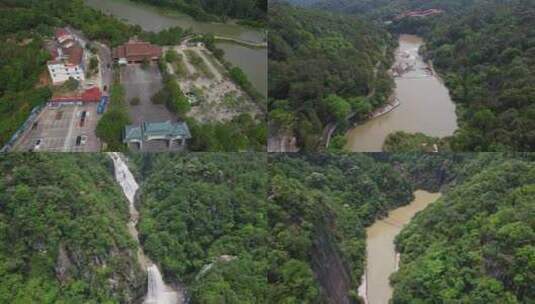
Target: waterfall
x=125 y=178
x=158 y=292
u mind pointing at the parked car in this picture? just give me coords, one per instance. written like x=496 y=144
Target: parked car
x=37 y=145
x=81 y=140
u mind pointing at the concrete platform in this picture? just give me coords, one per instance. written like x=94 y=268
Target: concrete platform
x=58 y=129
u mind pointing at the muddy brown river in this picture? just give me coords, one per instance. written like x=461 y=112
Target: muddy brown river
x=425 y=104
x=253 y=61
x=381 y=255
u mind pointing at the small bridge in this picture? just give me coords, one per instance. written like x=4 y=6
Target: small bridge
x=392 y=223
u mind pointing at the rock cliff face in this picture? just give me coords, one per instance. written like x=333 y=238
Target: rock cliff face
x=124 y=280
x=331 y=271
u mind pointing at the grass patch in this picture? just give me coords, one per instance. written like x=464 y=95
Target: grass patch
x=110 y=127
x=199 y=63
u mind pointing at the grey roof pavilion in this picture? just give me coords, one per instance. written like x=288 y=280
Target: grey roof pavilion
x=149 y=131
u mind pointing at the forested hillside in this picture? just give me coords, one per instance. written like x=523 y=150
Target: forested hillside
x=253 y=11
x=323 y=68
x=476 y=244
x=199 y=209
x=484 y=51
x=487 y=58
x=63 y=235
x=320 y=206
x=252 y=228
x=388 y=8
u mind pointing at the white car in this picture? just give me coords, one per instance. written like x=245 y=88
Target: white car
x=81 y=140
x=38 y=143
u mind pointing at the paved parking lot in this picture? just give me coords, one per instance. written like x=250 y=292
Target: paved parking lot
x=144 y=83
x=59 y=129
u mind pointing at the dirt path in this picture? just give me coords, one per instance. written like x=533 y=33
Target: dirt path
x=212 y=68
x=191 y=69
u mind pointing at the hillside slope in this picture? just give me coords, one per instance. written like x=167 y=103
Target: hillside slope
x=323 y=69
x=476 y=244
x=63 y=234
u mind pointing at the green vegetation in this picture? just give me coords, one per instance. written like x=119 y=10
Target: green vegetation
x=324 y=68
x=198 y=62
x=171 y=95
x=406 y=142
x=170 y=36
x=475 y=245
x=19 y=16
x=257 y=228
x=235 y=73
x=172 y=56
x=251 y=12
x=63 y=233
x=487 y=58
x=92 y=68
x=23 y=27
x=484 y=51
x=242 y=133
x=238 y=76
x=198 y=208
x=22 y=60
x=110 y=127
x=321 y=205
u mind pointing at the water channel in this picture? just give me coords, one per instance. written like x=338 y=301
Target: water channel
x=425 y=103
x=157 y=291
x=253 y=61
x=382 y=258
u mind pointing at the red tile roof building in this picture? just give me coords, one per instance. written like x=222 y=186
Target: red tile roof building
x=90 y=95
x=136 y=51
x=68 y=58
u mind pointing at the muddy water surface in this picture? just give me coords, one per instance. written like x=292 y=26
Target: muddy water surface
x=381 y=254
x=425 y=103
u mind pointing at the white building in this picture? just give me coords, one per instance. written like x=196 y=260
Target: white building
x=68 y=59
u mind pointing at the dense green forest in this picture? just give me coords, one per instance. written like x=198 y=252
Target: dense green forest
x=319 y=208
x=323 y=203
x=385 y=9
x=484 y=51
x=485 y=54
x=251 y=12
x=487 y=58
x=258 y=228
x=203 y=208
x=323 y=68
x=63 y=235
x=476 y=244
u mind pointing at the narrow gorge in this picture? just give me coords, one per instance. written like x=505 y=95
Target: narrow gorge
x=157 y=291
x=381 y=257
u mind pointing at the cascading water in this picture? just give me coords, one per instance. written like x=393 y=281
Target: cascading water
x=158 y=292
